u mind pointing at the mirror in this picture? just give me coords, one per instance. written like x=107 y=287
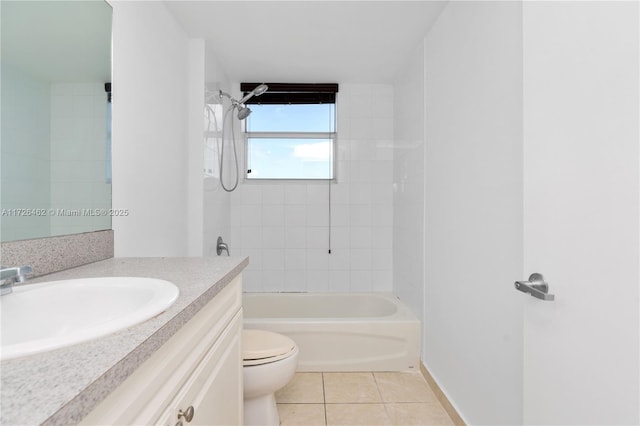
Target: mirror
x=55 y=118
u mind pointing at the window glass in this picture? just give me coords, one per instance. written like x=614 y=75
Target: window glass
x=292 y=118
x=290 y=158
x=291 y=141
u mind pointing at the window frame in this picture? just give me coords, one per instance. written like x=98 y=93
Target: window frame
x=288 y=94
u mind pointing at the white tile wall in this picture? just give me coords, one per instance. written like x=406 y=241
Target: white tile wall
x=285 y=228
x=78 y=156
x=60 y=162
x=409 y=172
x=216 y=202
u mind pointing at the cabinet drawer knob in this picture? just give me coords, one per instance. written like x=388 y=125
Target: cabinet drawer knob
x=188 y=415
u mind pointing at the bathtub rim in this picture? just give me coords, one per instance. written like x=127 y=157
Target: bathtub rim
x=402 y=313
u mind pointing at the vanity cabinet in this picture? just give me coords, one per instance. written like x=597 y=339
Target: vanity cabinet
x=195 y=378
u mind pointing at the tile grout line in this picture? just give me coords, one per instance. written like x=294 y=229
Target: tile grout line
x=375 y=380
x=384 y=403
x=324 y=401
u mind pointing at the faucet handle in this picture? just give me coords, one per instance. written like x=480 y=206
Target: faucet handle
x=23 y=271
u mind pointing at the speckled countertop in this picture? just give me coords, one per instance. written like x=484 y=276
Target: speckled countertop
x=63 y=386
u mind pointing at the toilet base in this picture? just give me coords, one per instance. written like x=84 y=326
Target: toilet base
x=261 y=411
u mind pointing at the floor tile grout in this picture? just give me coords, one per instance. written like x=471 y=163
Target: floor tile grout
x=375 y=380
x=387 y=412
x=324 y=401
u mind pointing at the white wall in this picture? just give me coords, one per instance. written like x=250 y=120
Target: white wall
x=408 y=182
x=195 y=151
x=473 y=212
x=150 y=130
x=580 y=82
x=284 y=227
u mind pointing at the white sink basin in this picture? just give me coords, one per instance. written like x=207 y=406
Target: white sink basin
x=41 y=317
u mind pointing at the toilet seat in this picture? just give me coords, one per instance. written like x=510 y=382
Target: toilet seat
x=262 y=347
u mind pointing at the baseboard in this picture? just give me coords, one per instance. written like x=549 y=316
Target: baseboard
x=444 y=401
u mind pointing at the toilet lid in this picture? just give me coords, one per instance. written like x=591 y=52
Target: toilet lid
x=265 y=345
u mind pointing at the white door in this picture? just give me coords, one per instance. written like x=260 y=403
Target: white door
x=581 y=186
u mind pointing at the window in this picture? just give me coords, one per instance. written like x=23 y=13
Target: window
x=291 y=132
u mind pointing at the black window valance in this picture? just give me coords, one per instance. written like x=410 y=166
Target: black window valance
x=293 y=93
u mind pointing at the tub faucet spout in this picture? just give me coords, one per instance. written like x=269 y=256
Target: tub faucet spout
x=221 y=245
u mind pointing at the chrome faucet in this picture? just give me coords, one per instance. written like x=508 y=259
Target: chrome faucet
x=11 y=276
x=221 y=245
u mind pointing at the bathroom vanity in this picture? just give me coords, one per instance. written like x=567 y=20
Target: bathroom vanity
x=183 y=365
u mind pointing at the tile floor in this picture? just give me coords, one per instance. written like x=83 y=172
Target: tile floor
x=362 y=398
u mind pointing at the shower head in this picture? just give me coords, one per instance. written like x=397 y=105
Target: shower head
x=243 y=112
x=259 y=90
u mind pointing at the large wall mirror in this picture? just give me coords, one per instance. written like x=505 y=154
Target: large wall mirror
x=55 y=118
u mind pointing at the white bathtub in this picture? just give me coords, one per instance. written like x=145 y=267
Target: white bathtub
x=340 y=331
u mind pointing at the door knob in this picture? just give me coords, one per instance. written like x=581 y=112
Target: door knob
x=536 y=287
x=187 y=415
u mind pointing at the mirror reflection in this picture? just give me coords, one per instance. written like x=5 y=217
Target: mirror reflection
x=55 y=118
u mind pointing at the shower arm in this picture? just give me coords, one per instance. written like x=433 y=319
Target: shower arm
x=233 y=101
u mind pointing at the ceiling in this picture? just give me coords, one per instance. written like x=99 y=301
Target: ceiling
x=308 y=41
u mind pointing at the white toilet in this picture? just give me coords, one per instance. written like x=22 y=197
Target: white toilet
x=269 y=363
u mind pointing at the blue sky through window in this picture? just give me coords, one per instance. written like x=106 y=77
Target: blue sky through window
x=292 y=118
x=277 y=157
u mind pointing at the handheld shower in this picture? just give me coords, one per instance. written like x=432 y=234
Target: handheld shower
x=259 y=90
x=243 y=112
